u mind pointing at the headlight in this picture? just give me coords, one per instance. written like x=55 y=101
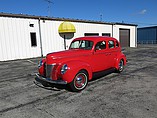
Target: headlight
x=64 y=69
x=40 y=64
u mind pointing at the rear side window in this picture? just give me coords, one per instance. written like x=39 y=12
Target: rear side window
x=117 y=44
x=111 y=44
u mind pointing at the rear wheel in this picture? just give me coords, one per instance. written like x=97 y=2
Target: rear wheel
x=120 y=66
x=79 y=82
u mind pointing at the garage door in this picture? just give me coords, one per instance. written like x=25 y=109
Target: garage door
x=124 y=36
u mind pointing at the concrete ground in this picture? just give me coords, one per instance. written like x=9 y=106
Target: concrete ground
x=131 y=94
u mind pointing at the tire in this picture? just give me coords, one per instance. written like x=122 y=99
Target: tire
x=120 y=66
x=79 y=82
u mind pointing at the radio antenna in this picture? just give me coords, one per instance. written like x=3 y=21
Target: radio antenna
x=49 y=7
x=101 y=17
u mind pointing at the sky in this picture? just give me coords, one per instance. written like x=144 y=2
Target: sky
x=140 y=12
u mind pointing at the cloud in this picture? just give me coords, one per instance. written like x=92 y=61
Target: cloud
x=143 y=12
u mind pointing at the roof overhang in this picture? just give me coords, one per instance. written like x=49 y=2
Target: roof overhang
x=61 y=19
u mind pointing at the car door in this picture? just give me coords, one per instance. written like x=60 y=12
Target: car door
x=100 y=59
x=112 y=53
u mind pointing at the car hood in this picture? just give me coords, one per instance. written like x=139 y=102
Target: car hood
x=68 y=54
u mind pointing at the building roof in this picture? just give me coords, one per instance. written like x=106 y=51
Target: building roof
x=147 y=27
x=61 y=19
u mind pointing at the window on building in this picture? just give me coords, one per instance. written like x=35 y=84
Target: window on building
x=106 y=34
x=91 y=34
x=33 y=39
x=111 y=44
x=31 y=25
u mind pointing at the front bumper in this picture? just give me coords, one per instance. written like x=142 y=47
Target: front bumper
x=39 y=78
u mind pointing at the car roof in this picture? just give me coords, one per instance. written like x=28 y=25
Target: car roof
x=95 y=38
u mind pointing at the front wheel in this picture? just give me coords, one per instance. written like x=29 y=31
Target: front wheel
x=79 y=82
x=120 y=66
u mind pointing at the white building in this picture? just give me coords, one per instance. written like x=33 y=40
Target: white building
x=24 y=36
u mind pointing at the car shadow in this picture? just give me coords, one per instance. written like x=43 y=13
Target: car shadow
x=99 y=75
x=45 y=87
x=55 y=87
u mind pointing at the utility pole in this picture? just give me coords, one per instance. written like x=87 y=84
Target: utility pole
x=49 y=7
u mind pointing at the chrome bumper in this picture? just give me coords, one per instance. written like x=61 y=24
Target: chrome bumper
x=40 y=78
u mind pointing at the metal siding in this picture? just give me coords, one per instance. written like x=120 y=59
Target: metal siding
x=15 y=39
x=51 y=40
x=15 y=42
x=132 y=33
x=82 y=28
x=147 y=34
x=156 y=34
x=2 y=41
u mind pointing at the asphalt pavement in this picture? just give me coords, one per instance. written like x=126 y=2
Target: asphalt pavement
x=131 y=94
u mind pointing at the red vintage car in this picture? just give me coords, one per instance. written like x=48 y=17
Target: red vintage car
x=85 y=57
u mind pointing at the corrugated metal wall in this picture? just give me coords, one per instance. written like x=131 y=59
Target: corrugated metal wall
x=51 y=40
x=147 y=35
x=15 y=41
x=82 y=28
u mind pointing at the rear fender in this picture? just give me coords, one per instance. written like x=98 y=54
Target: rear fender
x=74 y=67
x=121 y=57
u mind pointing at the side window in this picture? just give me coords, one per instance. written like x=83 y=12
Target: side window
x=100 y=45
x=82 y=44
x=117 y=44
x=111 y=44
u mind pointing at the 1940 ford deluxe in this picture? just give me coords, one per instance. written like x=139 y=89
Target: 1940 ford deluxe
x=85 y=57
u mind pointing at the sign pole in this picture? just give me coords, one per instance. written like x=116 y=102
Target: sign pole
x=64 y=43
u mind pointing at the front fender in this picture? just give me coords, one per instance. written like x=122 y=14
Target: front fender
x=73 y=68
x=41 y=66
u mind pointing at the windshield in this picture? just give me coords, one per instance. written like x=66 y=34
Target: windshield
x=81 y=44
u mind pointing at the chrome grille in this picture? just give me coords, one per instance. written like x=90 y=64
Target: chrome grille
x=49 y=69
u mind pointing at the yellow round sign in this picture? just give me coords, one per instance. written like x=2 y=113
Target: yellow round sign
x=66 y=27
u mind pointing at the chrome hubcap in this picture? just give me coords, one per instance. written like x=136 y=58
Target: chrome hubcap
x=121 y=65
x=80 y=81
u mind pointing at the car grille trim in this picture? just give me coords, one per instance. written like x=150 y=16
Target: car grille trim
x=49 y=70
